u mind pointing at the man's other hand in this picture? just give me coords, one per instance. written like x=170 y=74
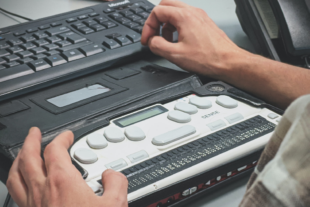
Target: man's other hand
x=55 y=181
x=202 y=47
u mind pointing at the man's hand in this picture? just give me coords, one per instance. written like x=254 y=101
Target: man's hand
x=202 y=47
x=56 y=182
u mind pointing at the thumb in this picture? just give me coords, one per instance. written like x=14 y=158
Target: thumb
x=162 y=47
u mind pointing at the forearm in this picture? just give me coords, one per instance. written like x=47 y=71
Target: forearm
x=274 y=82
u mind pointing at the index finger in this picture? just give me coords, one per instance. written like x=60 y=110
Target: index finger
x=161 y=14
x=174 y=3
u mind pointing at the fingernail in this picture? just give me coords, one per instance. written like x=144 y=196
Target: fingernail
x=32 y=129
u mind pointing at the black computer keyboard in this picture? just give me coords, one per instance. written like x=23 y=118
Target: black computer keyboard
x=51 y=50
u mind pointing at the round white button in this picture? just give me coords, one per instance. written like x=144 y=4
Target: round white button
x=187 y=108
x=226 y=102
x=134 y=133
x=179 y=116
x=85 y=156
x=114 y=134
x=96 y=141
x=202 y=103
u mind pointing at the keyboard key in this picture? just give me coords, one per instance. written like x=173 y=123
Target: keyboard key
x=134 y=17
x=2 y=38
x=43 y=27
x=131 y=24
x=32 y=30
x=82 y=17
x=94 y=14
x=57 y=30
x=50 y=53
x=25 y=60
x=50 y=47
x=55 y=24
x=3 y=31
x=122 y=20
x=91 y=50
x=136 y=10
x=75 y=46
x=101 y=19
x=89 y=22
x=147 y=8
x=37 y=50
x=24 y=54
x=38 y=57
x=138 y=4
x=78 y=25
x=72 y=37
x=123 y=41
x=63 y=43
x=144 y=15
x=4 y=53
x=97 y=27
x=72 y=55
x=15 y=49
x=28 y=46
x=70 y=20
x=134 y=37
x=115 y=15
x=19 y=33
x=40 y=43
x=4 y=45
x=109 y=24
x=108 y=10
x=18 y=71
x=140 y=21
x=126 y=13
x=27 y=38
x=2 y=67
x=38 y=65
x=113 y=35
x=138 y=29
x=111 y=44
x=11 y=64
x=53 y=39
x=55 y=60
x=86 y=30
x=2 y=61
x=40 y=35
x=11 y=58
x=15 y=42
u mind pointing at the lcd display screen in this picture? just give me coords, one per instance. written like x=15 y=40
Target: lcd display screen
x=140 y=116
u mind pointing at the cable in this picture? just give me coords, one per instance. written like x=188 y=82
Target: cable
x=16 y=15
x=9 y=16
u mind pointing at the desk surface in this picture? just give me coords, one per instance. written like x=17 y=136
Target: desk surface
x=223 y=14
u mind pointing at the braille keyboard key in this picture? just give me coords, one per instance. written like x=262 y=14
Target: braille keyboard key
x=15 y=42
x=38 y=65
x=131 y=24
x=116 y=165
x=19 y=33
x=38 y=57
x=41 y=42
x=94 y=14
x=78 y=25
x=25 y=60
x=72 y=37
x=89 y=22
x=37 y=50
x=27 y=38
x=134 y=17
x=86 y=30
x=11 y=64
x=122 y=20
x=186 y=108
x=70 y=20
x=43 y=27
x=72 y=55
x=109 y=24
x=108 y=10
x=126 y=13
x=202 y=103
x=179 y=116
x=24 y=54
x=123 y=41
x=4 y=45
x=174 y=135
x=55 y=60
x=75 y=46
x=4 y=53
x=134 y=37
x=111 y=44
x=82 y=17
x=53 y=52
x=2 y=61
x=226 y=102
x=11 y=58
x=15 y=49
x=57 y=30
x=32 y=30
x=91 y=50
x=97 y=27
x=40 y=35
x=53 y=39
x=28 y=46
x=63 y=43
x=12 y=73
x=101 y=19
x=50 y=47
x=55 y=24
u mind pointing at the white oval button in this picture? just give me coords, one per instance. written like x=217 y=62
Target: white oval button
x=187 y=108
x=179 y=116
x=134 y=133
x=202 y=103
x=226 y=102
x=96 y=141
x=85 y=156
x=114 y=134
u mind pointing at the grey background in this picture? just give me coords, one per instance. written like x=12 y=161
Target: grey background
x=221 y=11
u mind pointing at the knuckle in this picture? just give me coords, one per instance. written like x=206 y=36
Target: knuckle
x=56 y=179
x=10 y=182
